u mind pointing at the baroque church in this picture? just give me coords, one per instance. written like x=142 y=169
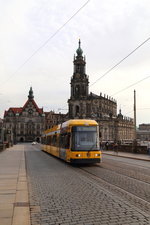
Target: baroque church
x=103 y=109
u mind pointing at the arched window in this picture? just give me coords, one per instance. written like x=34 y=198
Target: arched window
x=77 y=110
x=21 y=139
x=77 y=90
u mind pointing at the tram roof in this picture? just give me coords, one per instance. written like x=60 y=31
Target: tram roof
x=69 y=123
x=79 y=122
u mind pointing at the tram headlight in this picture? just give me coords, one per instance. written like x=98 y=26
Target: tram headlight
x=78 y=155
x=97 y=155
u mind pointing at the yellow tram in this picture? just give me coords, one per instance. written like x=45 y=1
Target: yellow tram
x=74 y=141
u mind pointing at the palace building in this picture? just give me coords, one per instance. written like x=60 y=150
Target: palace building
x=101 y=108
x=25 y=123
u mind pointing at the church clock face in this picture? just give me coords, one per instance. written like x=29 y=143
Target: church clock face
x=30 y=111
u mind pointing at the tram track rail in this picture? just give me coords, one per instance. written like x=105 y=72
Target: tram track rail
x=132 y=173
x=131 y=161
x=126 y=182
x=121 y=192
x=118 y=164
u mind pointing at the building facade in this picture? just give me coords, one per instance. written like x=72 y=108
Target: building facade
x=143 y=132
x=26 y=123
x=1 y=131
x=52 y=119
x=101 y=108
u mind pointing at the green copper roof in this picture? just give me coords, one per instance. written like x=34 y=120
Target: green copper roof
x=79 y=50
x=30 y=96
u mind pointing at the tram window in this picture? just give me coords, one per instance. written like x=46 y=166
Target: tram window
x=60 y=141
x=84 y=138
x=65 y=140
x=54 y=140
x=57 y=141
x=48 y=140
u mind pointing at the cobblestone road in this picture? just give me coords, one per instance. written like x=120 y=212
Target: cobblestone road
x=134 y=186
x=60 y=195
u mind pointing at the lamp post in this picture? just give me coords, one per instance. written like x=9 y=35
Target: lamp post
x=134 y=141
x=16 y=121
x=3 y=134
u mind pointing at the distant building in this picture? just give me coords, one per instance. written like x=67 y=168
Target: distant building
x=1 y=131
x=103 y=109
x=143 y=132
x=27 y=122
x=1 y=123
x=52 y=119
x=144 y=126
x=6 y=135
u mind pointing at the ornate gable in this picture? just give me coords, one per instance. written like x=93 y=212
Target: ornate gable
x=30 y=107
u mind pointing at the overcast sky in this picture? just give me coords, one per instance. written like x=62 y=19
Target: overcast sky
x=109 y=30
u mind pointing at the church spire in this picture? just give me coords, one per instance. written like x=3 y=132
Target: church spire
x=79 y=50
x=79 y=61
x=79 y=42
x=30 y=96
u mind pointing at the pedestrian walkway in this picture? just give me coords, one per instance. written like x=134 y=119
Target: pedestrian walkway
x=137 y=156
x=14 y=203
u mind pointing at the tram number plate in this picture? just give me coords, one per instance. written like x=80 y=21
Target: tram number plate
x=88 y=154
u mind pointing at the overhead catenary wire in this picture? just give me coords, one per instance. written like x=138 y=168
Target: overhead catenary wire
x=117 y=64
x=131 y=85
x=38 y=49
x=138 y=109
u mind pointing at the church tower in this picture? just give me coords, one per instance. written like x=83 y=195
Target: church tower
x=102 y=108
x=79 y=86
x=79 y=80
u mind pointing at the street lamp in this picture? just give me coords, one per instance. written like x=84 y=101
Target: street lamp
x=16 y=121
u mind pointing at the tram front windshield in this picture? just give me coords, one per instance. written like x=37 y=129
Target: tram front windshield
x=84 y=138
